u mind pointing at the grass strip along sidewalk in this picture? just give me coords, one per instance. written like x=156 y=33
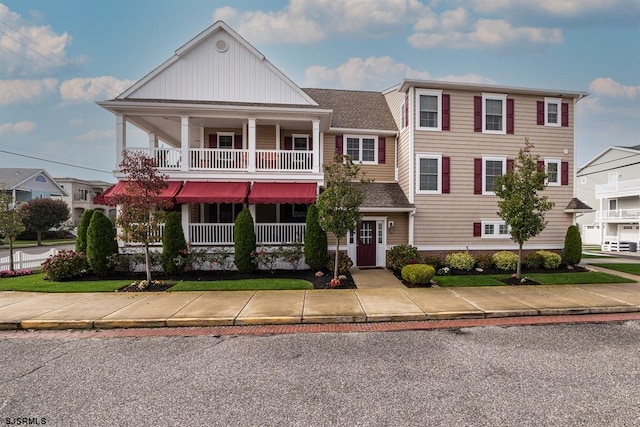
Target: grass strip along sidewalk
x=589 y=277
x=625 y=268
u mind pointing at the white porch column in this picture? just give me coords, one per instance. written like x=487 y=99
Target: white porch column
x=252 y=145
x=186 y=217
x=121 y=137
x=252 y=211
x=316 y=146
x=601 y=226
x=412 y=216
x=153 y=140
x=184 y=143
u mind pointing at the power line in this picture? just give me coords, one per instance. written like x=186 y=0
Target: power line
x=30 y=48
x=56 y=162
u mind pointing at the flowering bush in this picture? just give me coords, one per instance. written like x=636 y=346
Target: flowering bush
x=66 y=265
x=444 y=271
x=433 y=260
x=15 y=273
x=551 y=259
x=400 y=255
x=484 y=261
x=533 y=261
x=265 y=257
x=292 y=254
x=505 y=260
x=460 y=261
x=344 y=263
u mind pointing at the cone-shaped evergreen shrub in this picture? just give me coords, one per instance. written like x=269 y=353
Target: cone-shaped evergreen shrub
x=83 y=226
x=101 y=244
x=572 y=246
x=315 y=241
x=244 y=238
x=173 y=244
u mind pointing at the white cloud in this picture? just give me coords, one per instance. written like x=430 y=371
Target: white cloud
x=608 y=87
x=372 y=73
x=96 y=135
x=92 y=88
x=563 y=8
x=19 y=128
x=25 y=91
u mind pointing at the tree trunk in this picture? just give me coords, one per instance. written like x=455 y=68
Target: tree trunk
x=147 y=262
x=39 y=235
x=519 y=268
x=335 y=264
x=11 y=267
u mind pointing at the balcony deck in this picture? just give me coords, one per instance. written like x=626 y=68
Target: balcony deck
x=618 y=189
x=618 y=215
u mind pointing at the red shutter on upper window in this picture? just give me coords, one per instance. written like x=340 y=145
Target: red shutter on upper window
x=310 y=143
x=213 y=141
x=446 y=175
x=510 y=163
x=540 y=113
x=564 y=175
x=510 y=116
x=477 y=229
x=339 y=149
x=237 y=142
x=406 y=110
x=477 y=176
x=540 y=168
x=446 y=115
x=288 y=143
x=477 y=114
x=565 y=114
x=382 y=150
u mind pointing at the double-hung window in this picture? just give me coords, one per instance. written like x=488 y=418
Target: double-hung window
x=225 y=140
x=429 y=110
x=429 y=174
x=492 y=168
x=495 y=229
x=552 y=167
x=552 y=108
x=362 y=149
x=300 y=142
x=494 y=114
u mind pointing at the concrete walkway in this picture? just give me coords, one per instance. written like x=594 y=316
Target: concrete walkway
x=25 y=310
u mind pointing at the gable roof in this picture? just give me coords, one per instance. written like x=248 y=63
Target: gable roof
x=383 y=196
x=353 y=109
x=14 y=178
x=242 y=73
x=633 y=150
x=576 y=206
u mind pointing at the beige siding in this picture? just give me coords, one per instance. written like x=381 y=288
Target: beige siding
x=265 y=137
x=447 y=219
x=395 y=100
x=400 y=233
x=379 y=173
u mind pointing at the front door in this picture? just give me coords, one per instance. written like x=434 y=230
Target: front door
x=366 y=247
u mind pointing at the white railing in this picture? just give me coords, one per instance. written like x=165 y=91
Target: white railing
x=211 y=234
x=166 y=158
x=219 y=159
x=631 y=187
x=284 y=160
x=615 y=246
x=275 y=234
x=618 y=215
x=24 y=260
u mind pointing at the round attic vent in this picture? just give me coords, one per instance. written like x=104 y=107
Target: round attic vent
x=222 y=46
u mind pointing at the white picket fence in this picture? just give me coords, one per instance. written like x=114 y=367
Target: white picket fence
x=24 y=260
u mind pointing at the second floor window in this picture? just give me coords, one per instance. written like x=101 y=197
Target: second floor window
x=553 y=171
x=429 y=176
x=225 y=140
x=429 y=113
x=300 y=142
x=84 y=194
x=361 y=148
x=492 y=169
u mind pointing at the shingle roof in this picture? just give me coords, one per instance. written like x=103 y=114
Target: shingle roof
x=383 y=195
x=14 y=176
x=635 y=147
x=577 y=205
x=353 y=109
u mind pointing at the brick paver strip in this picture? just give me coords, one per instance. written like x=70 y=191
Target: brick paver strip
x=323 y=328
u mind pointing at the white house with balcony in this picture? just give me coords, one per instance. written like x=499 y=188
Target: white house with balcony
x=610 y=182
x=82 y=195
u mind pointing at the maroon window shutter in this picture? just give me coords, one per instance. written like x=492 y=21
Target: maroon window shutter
x=288 y=143
x=446 y=175
x=540 y=113
x=477 y=229
x=310 y=143
x=477 y=176
x=382 y=147
x=564 y=175
x=213 y=141
x=446 y=115
x=510 y=116
x=237 y=142
x=406 y=110
x=540 y=167
x=477 y=114
x=565 y=114
x=510 y=165
x=339 y=149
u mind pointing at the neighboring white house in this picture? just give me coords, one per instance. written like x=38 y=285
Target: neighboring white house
x=81 y=194
x=610 y=182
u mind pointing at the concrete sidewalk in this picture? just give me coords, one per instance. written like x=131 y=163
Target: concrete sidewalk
x=24 y=310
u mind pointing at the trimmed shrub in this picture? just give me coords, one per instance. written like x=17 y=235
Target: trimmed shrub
x=83 y=226
x=400 y=255
x=505 y=260
x=418 y=274
x=344 y=263
x=460 y=261
x=433 y=260
x=533 y=261
x=551 y=259
x=244 y=238
x=174 y=246
x=66 y=265
x=101 y=244
x=572 y=246
x=484 y=261
x=315 y=241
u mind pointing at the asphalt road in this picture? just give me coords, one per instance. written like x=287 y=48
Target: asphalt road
x=560 y=375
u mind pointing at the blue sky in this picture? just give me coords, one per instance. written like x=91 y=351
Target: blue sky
x=58 y=57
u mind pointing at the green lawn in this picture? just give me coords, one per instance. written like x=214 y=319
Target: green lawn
x=32 y=243
x=625 y=268
x=544 y=279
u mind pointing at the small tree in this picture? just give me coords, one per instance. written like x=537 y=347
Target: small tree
x=572 y=246
x=339 y=204
x=244 y=239
x=140 y=216
x=173 y=244
x=39 y=215
x=315 y=241
x=10 y=221
x=83 y=226
x=101 y=244
x=520 y=205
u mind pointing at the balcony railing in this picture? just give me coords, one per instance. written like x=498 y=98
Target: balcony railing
x=618 y=215
x=220 y=159
x=266 y=234
x=629 y=188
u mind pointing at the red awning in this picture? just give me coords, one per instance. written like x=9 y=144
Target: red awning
x=213 y=192
x=167 y=194
x=282 y=192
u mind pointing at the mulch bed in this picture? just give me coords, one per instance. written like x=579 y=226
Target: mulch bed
x=308 y=275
